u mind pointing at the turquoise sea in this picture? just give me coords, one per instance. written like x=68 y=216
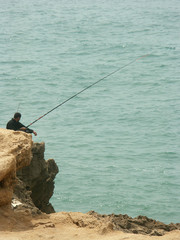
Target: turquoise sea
x=117 y=144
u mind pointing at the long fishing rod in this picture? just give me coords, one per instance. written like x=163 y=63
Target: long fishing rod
x=84 y=89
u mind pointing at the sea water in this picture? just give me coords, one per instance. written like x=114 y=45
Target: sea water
x=117 y=145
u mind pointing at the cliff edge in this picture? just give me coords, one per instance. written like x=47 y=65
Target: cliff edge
x=26 y=185
x=26 y=178
x=15 y=153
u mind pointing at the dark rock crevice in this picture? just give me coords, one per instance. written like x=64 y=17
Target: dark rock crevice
x=38 y=179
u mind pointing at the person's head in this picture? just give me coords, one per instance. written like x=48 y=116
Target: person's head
x=17 y=116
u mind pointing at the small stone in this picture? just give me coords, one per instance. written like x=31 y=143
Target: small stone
x=50 y=225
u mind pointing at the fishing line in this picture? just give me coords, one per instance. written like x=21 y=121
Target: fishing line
x=84 y=89
x=18 y=107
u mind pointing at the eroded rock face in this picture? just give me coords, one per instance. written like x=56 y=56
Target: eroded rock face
x=138 y=225
x=15 y=153
x=38 y=177
x=22 y=200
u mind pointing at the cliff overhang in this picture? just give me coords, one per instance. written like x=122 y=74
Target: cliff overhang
x=26 y=178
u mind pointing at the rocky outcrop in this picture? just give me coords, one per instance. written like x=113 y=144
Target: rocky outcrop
x=35 y=186
x=15 y=153
x=137 y=225
x=24 y=171
x=38 y=178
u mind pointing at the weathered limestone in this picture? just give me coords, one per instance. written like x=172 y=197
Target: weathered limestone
x=15 y=153
x=18 y=152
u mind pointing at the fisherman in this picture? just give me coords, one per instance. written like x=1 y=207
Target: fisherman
x=15 y=125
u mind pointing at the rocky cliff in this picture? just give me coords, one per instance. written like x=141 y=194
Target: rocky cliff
x=38 y=178
x=25 y=177
x=22 y=219
x=15 y=153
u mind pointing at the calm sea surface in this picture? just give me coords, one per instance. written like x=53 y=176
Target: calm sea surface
x=117 y=145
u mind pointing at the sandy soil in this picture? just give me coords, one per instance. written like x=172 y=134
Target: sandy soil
x=62 y=226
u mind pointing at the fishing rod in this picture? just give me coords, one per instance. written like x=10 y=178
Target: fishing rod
x=84 y=89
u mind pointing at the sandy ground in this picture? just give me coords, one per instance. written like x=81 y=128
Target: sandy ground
x=61 y=226
x=67 y=233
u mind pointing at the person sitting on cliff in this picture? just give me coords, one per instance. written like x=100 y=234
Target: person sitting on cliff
x=15 y=125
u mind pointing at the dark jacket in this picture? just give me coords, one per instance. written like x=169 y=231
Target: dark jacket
x=13 y=125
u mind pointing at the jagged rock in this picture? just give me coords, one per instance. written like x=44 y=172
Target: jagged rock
x=38 y=177
x=15 y=153
x=138 y=225
x=22 y=199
